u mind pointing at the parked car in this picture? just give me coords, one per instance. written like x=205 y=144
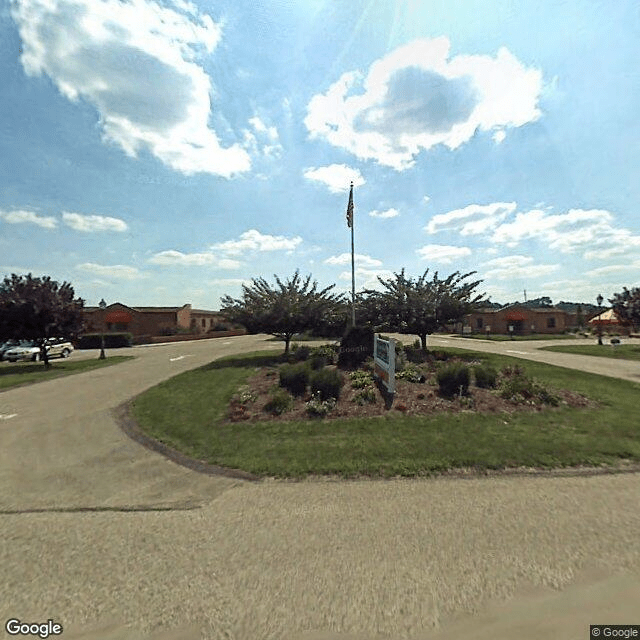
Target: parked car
x=5 y=346
x=29 y=350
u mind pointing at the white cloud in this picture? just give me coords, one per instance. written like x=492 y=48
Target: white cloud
x=443 y=253
x=426 y=199
x=358 y=258
x=136 y=63
x=111 y=272
x=389 y=213
x=28 y=217
x=591 y=231
x=613 y=268
x=172 y=257
x=366 y=278
x=89 y=224
x=499 y=136
x=253 y=240
x=335 y=176
x=472 y=219
x=263 y=140
x=416 y=97
x=510 y=267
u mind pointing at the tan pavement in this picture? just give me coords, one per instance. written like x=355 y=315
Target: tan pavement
x=96 y=530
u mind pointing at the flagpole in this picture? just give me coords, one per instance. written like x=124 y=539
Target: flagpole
x=353 y=281
x=353 y=266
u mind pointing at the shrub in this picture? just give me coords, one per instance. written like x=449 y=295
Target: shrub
x=411 y=374
x=361 y=379
x=453 y=379
x=355 y=347
x=317 y=362
x=244 y=395
x=522 y=389
x=294 y=377
x=319 y=407
x=486 y=376
x=220 y=327
x=300 y=352
x=442 y=356
x=401 y=357
x=280 y=402
x=328 y=351
x=415 y=354
x=366 y=394
x=327 y=383
x=111 y=340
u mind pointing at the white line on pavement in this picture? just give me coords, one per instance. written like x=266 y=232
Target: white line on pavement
x=524 y=353
x=180 y=357
x=7 y=416
x=228 y=342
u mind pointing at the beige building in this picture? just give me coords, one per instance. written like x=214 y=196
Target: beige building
x=150 y=321
x=524 y=320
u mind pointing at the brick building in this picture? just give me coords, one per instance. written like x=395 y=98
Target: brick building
x=150 y=321
x=524 y=320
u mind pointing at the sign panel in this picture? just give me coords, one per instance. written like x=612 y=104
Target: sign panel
x=384 y=362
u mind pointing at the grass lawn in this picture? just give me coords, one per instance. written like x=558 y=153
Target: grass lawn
x=12 y=375
x=534 y=336
x=619 y=352
x=186 y=413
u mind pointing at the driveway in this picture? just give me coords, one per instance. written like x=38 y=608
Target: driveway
x=97 y=531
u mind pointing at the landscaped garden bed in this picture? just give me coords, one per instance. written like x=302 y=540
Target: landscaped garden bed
x=266 y=396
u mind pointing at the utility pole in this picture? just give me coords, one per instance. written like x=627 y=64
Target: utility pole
x=353 y=267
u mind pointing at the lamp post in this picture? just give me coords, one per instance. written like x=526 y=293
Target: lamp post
x=599 y=300
x=103 y=305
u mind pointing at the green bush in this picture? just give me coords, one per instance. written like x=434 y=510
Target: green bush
x=453 y=379
x=327 y=383
x=300 y=352
x=280 y=402
x=411 y=374
x=244 y=395
x=486 y=376
x=366 y=394
x=415 y=354
x=317 y=362
x=330 y=352
x=361 y=379
x=355 y=347
x=111 y=340
x=319 y=407
x=519 y=388
x=294 y=377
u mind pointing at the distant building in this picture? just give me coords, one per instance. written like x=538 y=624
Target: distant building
x=524 y=320
x=150 y=321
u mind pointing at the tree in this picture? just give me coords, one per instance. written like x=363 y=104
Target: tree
x=626 y=306
x=422 y=306
x=38 y=308
x=281 y=311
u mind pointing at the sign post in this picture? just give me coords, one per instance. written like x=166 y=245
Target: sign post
x=384 y=362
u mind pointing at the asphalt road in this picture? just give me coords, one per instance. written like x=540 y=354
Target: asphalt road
x=96 y=530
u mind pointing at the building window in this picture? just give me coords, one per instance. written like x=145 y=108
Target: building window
x=204 y=323
x=479 y=323
x=551 y=323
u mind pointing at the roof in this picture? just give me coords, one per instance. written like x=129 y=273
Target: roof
x=609 y=316
x=204 y=311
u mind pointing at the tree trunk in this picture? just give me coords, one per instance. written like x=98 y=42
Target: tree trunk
x=287 y=340
x=423 y=340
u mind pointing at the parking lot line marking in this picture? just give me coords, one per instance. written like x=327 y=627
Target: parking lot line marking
x=7 y=416
x=180 y=357
x=524 y=353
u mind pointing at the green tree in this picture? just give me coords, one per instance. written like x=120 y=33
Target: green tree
x=38 y=308
x=626 y=305
x=281 y=311
x=422 y=306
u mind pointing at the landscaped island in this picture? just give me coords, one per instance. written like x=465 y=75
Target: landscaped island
x=536 y=417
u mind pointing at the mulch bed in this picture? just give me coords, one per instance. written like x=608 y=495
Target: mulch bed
x=412 y=399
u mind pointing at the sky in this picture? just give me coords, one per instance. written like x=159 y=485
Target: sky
x=159 y=152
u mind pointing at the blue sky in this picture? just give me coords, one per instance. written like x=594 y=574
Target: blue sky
x=163 y=153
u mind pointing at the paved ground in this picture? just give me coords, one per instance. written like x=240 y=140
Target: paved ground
x=96 y=530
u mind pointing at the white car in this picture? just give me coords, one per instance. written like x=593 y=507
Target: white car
x=29 y=350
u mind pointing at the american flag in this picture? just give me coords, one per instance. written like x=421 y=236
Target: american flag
x=350 y=208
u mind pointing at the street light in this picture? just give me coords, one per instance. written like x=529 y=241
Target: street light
x=599 y=300
x=103 y=305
